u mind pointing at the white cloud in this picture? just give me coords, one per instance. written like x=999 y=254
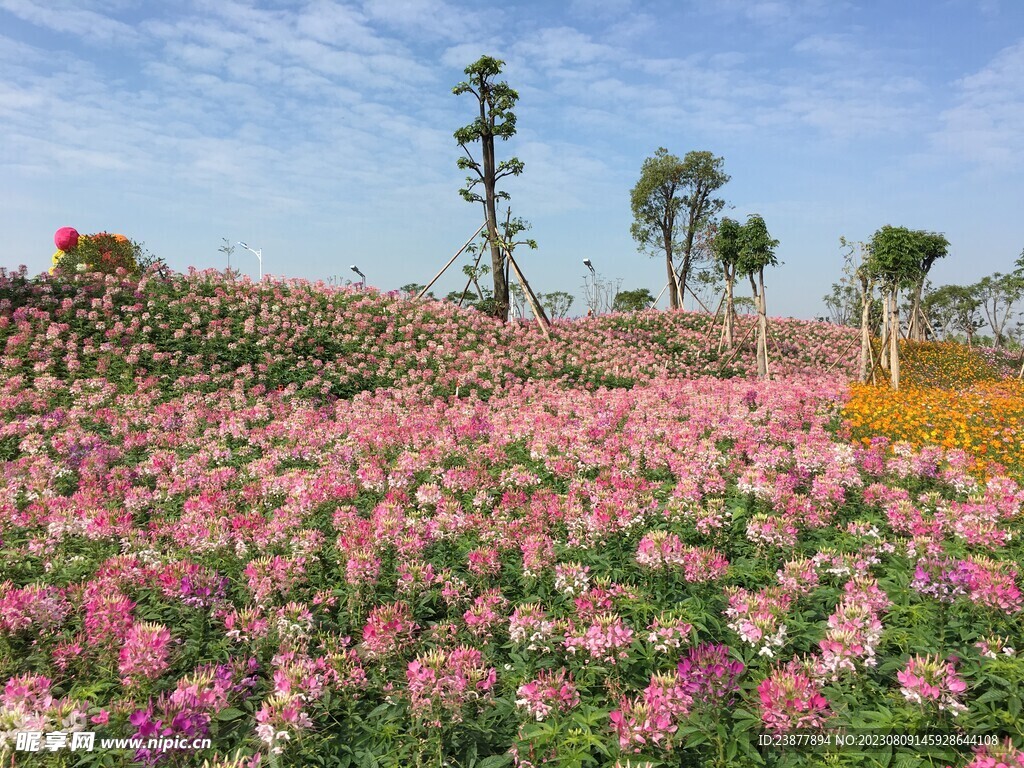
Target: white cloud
x=434 y=19
x=984 y=125
x=69 y=17
x=828 y=45
x=776 y=13
x=555 y=47
x=600 y=9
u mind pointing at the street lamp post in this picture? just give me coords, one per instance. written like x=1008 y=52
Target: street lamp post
x=258 y=254
x=355 y=269
x=592 y=297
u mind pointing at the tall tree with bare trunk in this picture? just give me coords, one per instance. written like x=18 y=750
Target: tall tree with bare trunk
x=702 y=176
x=495 y=100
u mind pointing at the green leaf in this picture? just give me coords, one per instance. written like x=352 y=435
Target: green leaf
x=229 y=714
x=495 y=761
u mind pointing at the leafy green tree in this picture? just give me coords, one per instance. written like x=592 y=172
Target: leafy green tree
x=998 y=294
x=517 y=300
x=413 y=289
x=672 y=204
x=728 y=247
x=745 y=305
x=703 y=175
x=633 y=301
x=495 y=100
x=858 y=281
x=843 y=304
x=474 y=272
x=894 y=260
x=757 y=251
x=931 y=246
x=955 y=308
x=656 y=202
x=557 y=303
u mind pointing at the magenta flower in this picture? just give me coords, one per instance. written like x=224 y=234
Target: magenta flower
x=549 y=692
x=928 y=680
x=144 y=653
x=790 y=700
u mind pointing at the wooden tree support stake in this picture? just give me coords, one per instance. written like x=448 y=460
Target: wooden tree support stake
x=452 y=260
x=465 y=290
x=746 y=336
x=877 y=364
x=843 y=354
x=538 y=310
x=660 y=295
x=697 y=299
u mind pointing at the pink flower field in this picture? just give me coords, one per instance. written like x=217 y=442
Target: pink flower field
x=322 y=527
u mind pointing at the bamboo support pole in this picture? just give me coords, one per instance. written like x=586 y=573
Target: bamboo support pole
x=736 y=349
x=465 y=290
x=538 y=311
x=452 y=260
x=660 y=295
x=845 y=352
x=697 y=299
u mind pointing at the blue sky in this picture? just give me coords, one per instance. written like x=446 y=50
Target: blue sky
x=321 y=131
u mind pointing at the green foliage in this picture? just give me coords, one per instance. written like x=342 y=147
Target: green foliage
x=557 y=303
x=495 y=100
x=757 y=248
x=998 y=294
x=414 y=289
x=900 y=258
x=496 y=120
x=843 y=304
x=656 y=201
x=728 y=243
x=633 y=301
x=702 y=175
x=955 y=308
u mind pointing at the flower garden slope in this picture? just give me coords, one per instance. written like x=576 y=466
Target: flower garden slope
x=202 y=332
x=659 y=573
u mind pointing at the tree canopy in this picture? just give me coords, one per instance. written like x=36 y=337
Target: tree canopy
x=633 y=301
x=672 y=203
x=757 y=248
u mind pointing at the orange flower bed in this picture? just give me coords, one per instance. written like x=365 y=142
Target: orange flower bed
x=951 y=397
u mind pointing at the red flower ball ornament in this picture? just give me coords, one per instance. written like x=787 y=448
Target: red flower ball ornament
x=66 y=238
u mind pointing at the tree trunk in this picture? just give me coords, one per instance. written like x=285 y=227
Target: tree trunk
x=490 y=210
x=865 y=328
x=917 y=320
x=894 y=342
x=993 y=322
x=682 y=277
x=762 y=329
x=730 y=308
x=673 y=286
x=883 y=356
